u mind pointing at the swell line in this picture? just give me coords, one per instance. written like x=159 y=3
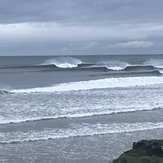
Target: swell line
x=81 y=115
x=82 y=130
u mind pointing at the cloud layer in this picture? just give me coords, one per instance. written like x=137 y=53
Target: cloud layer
x=133 y=44
x=38 y=27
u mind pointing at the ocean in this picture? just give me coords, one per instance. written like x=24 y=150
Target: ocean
x=86 y=109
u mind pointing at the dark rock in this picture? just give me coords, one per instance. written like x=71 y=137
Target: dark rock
x=150 y=151
x=151 y=148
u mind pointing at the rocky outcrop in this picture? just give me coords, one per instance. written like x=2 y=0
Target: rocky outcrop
x=144 y=151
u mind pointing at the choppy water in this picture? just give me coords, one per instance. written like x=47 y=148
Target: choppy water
x=59 y=99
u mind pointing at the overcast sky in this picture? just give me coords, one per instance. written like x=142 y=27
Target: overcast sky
x=81 y=27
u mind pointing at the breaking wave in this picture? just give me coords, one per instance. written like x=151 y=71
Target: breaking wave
x=63 y=62
x=114 y=65
x=70 y=62
x=157 y=63
x=4 y=89
x=4 y=92
x=74 y=64
x=161 y=71
x=95 y=84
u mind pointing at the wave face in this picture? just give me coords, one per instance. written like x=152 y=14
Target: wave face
x=114 y=65
x=157 y=63
x=63 y=62
x=139 y=68
x=4 y=92
x=96 y=84
x=4 y=89
x=70 y=62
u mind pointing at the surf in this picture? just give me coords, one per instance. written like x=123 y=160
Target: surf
x=78 y=115
x=77 y=130
x=63 y=62
x=95 y=84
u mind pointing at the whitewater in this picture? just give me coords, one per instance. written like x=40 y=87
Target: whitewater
x=96 y=84
x=78 y=104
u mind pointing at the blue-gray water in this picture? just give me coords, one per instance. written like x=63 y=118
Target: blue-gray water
x=79 y=108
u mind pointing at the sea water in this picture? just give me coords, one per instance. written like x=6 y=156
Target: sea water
x=78 y=108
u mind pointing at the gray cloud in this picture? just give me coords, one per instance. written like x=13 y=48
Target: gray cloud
x=17 y=11
x=90 y=45
x=51 y=31
x=80 y=26
x=133 y=44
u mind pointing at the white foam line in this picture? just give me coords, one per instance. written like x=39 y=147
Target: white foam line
x=81 y=115
x=96 y=84
x=161 y=71
x=78 y=131
x=26 y=119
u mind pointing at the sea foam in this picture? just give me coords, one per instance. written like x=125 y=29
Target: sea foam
x=114 y=65
x=63 y=62
x=76 y=115
x=95 y=84
x=76 y=130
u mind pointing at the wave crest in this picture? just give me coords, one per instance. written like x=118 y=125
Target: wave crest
x=4 y=92
x=157 y=63
x=63 y=62
x=4 y=89
x=114 y=65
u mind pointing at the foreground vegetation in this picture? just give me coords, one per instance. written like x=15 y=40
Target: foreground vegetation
x=144 y=151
